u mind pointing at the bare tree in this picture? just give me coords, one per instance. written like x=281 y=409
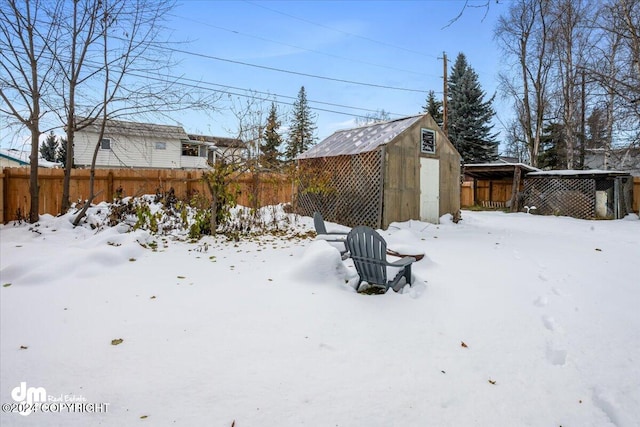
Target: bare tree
x=484 y=5
x=515 y=145
x=571 y=41
x=80 y=30
x=132 y=70
x=379 y=116
x=25 y=75
x=523 y=35
x=618 y=69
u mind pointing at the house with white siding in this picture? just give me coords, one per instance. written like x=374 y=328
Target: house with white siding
x=13 y=158
x=143 y=145
x=229 y=149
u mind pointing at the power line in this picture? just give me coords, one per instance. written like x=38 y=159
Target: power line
x=280 y=70
x=299 y=47
x=340 y=31
x=368 y=110
x=198 y=85
x=245 y=95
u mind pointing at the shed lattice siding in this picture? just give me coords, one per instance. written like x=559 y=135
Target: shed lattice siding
x=567 y=197
x=352 y=194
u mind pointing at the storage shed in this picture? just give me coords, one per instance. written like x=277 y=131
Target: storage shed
x=380 y=173
x=585 y=194
x=494 y=185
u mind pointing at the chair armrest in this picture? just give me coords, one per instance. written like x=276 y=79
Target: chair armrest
x=332 y=237
x=402 y=262
x=337 y=233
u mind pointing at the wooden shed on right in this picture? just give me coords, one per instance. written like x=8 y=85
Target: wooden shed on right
x=584 y=194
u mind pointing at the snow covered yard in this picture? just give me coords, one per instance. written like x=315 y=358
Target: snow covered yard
x=513 y=320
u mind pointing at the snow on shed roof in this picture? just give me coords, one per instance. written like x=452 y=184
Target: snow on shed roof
x=576 y=173
x=359 y=140
x=501 y=163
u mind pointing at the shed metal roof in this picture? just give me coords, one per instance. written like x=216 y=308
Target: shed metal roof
x=359 y=140
x=496 y=170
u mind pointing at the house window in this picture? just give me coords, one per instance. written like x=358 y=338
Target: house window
x=105 y=144
x=428 y=141
x=189 y=149
x=161 y=145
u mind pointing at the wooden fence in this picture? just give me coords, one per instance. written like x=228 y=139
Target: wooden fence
x=636 y=194
x=466 y=194
x=492 y=193
x=268 y=189
x=271 y=188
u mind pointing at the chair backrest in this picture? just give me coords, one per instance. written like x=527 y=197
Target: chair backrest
x=318 y=223
x=368 y=251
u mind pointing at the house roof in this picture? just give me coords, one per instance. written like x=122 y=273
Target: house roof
x=120 y=127
x=496 y=170
x=219 y=141
x=22 y=158
x=627 y=159
x=359 y=140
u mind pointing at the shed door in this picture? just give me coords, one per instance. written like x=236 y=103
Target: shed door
x=429 y=190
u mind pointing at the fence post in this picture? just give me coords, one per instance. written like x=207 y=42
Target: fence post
x=3 y=190
x=110 y=187
x=515 y=189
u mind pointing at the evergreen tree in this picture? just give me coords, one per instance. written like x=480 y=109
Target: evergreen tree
x=271 y=140
x=597 y=129
x=434 y=108
x=48 y=148
x=61 y=155
x=553 y=152
x=469 y=115
x=302 y=127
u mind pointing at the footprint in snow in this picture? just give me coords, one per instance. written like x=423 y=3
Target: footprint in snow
x=541 y=301
x=549 y=323
x=605 y=400
x=555 y=356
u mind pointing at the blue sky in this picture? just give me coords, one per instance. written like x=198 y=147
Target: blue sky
x=398 y=44
x=385 y=43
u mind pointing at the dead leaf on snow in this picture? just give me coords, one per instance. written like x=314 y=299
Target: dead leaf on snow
x=117 y=341
x=462 y=344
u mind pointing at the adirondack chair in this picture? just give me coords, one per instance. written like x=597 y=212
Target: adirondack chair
x=368 y=250
x=331 y=237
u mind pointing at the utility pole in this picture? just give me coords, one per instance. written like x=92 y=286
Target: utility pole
x=445 y=96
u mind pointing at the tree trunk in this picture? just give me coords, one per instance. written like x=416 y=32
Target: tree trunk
x=34 y=188
x=66 y=183
x=92 y=177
